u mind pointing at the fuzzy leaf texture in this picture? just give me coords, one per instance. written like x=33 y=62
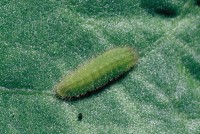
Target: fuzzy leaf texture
x=41 y=41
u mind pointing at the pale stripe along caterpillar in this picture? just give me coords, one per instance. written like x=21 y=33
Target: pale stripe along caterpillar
x=97 y=72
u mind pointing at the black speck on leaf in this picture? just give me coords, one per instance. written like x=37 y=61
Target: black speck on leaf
x=80 y=116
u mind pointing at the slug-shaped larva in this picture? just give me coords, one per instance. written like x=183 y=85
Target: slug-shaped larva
x=97 y=72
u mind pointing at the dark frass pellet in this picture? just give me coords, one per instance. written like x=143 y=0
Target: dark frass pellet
x=80 y=116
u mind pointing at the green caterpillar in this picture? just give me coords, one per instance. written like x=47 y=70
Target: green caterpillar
x=97 y=72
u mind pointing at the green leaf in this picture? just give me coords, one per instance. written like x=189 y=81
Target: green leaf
x=42 y=41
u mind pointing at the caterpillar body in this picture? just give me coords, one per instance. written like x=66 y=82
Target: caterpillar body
x=97 y=72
